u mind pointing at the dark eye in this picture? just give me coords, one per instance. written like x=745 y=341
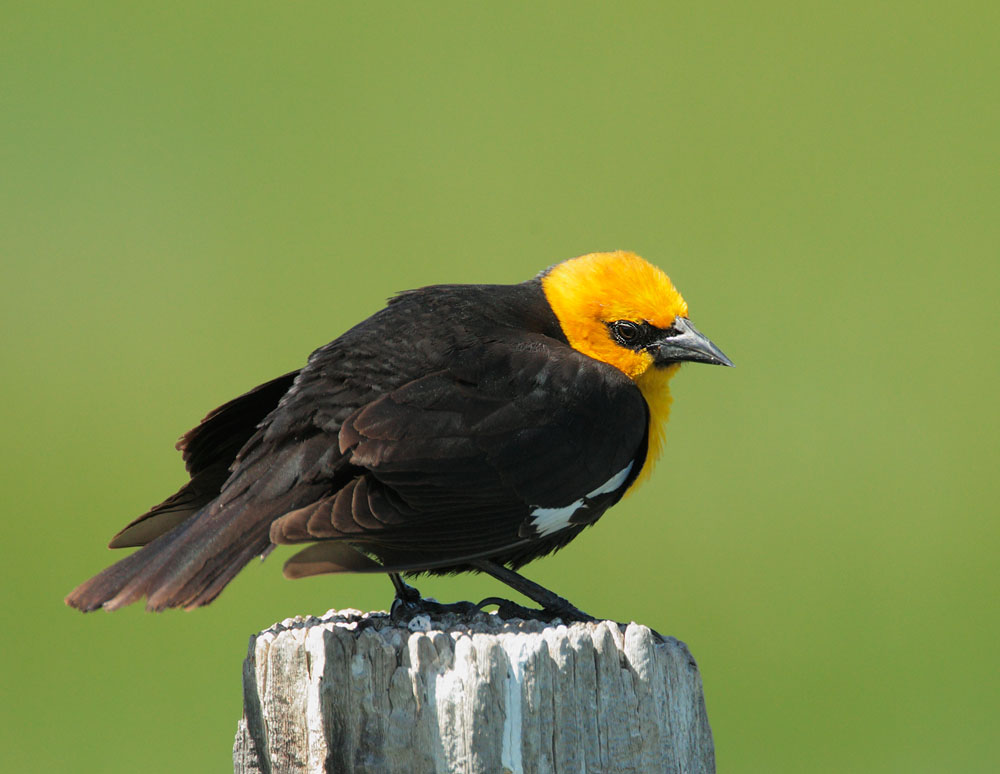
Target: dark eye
x=625 y=331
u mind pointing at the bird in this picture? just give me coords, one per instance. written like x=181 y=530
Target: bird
x=461 y=428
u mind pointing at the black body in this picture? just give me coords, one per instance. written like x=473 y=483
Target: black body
x=423 y=437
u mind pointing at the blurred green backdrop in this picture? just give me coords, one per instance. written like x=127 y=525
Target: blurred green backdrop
x=192 y=198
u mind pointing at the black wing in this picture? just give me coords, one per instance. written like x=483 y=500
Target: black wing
x=460 y=463
x=422 y=450
x=208 y=451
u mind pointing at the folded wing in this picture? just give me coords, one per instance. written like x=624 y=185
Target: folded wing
x=507 y=455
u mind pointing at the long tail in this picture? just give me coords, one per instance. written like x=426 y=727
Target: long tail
x=186 y=567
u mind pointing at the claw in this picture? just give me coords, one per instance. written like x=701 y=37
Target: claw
x=507 y=609
x=405 y=609
x=408 y=602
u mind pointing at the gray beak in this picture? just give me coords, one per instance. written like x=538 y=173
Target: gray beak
x=684 y=343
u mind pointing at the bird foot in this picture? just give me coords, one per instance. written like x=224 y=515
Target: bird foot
x=408 y=603
x=406 y=609
x=507 y=609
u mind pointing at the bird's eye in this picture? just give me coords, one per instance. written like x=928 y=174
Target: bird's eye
x=625 y=331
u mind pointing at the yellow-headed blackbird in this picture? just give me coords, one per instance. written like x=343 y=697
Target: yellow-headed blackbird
x=462 y=427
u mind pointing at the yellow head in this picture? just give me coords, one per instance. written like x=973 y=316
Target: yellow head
x=622 y=310
x=591 y=293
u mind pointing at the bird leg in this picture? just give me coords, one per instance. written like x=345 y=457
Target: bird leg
x=409 y=603
x=553 y=606
x=404 y=590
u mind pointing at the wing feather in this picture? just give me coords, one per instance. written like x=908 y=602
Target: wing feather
x=450 y=465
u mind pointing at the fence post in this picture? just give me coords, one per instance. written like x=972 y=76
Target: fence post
x=353 y=692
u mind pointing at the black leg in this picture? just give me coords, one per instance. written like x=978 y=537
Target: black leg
x=404 y=590
x=553 y=606
x=409 y=603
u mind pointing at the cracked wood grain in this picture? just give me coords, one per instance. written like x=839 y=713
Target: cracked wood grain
x=353 y=692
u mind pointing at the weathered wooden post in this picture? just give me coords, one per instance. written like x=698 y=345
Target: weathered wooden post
x=354 y=692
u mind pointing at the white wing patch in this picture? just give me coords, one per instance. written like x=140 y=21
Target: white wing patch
x=549 y=520
x=612 y=483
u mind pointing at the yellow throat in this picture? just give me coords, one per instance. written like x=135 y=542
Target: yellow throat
x=588 y=293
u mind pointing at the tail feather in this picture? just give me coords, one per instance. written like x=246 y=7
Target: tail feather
x=122 y=583
x=189 y=565
x=203 y=487
x=209 y=557
x=186 y=567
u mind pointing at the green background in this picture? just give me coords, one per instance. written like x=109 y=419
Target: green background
x=192 y=198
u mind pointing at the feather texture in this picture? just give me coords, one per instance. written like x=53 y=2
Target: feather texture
x=423 y=438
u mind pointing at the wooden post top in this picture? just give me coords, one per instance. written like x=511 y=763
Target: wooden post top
x=357 y=692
